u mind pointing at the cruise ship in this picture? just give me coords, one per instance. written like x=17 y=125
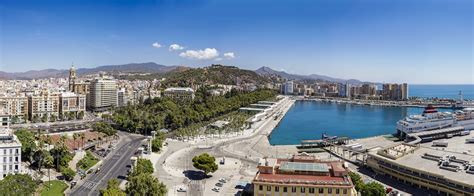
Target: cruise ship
x=431 y=119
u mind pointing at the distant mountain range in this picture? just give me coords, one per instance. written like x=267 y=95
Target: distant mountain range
x=267 y=71
x=155 y=68
x=149 y=67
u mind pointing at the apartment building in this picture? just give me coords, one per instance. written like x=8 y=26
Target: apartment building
x=10 y=150
x=43 y=106
x=302 y=175
x=15 y=106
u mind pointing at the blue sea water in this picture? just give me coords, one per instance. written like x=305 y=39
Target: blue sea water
x=309 y=119
x=441 y=91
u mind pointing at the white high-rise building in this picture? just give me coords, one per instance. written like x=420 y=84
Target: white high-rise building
x=103 y=94
x=288 y=88
x=10 y=150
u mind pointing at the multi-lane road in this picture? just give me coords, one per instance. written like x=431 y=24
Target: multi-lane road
x=113 y=166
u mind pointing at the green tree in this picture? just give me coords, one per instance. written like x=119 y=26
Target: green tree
x=39 y=158
x=373 y=189
x=75 y=136
x=144 y=166
x=18 y=184
x=356 y=180
x=156 y=144
x=112 y=189
x=80 y=115
x=44 y=118
x=28 y=145
x=104 y=128
x=145 y=184
x=205 y=162
x=68 y=173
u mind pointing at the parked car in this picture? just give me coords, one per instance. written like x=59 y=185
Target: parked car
x=181 y=189
x=216 y=189
x=219 y=184
x=222 y=180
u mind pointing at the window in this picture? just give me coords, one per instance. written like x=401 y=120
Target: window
x=321 y=190
x=16 y=151
x=329 y=190
x=16 y=167
x=10 y=167
x=4 y=168
x=344 y=191
x=311 y=190
x=4 y=151
x=4 y=159
x=293 y=189
x=285 y=189
x=337 y=191
x=277 y=189
x=269 y=188
x=260 y=187
x=16 y=159
x=303 y=189
x=11 y=159
x=11 y=151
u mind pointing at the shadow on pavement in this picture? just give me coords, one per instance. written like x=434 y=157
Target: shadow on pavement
x=195 y=175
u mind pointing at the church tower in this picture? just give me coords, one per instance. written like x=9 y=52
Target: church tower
x=72 y=78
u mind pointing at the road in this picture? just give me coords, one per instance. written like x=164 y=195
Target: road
x=113 y=166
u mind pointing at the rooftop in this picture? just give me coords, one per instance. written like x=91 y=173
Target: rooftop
x=187 y=89
x=414 y=161
x=299 y=166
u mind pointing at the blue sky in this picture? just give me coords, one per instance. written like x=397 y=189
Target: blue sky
x=415 y=41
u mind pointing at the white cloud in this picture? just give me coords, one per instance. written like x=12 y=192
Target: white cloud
x=156 y=45
x=229 y=55
x=206 y=54
x=218 y=59
x=174 y=47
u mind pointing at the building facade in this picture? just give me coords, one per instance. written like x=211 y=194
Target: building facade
x=182 y=94
x=15 y=106
x=103 y=94
x=395 y=91
x=302 y=175
x=43 y=106
x=439 y=171
x=10 y=150
x=72 y=105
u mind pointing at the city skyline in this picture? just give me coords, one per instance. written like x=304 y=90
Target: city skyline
x=399 y=41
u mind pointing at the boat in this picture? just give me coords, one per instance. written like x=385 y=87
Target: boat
x=431 y=119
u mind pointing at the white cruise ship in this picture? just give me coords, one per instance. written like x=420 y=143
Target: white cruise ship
x=431 y=119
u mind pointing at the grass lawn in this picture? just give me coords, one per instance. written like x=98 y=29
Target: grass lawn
x=57 y=188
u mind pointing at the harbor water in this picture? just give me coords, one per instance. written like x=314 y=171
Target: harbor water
x=309 y=119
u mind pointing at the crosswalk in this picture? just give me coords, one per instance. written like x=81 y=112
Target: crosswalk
x=89 y=185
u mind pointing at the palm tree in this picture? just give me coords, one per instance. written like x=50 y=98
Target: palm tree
x=82 y=136
x=75 y=136
x=63 y=140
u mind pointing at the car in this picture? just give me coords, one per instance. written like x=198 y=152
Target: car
x=181 y=189
x=222 y=180
x=215 y=189
x=219 y=184
x=388 y=190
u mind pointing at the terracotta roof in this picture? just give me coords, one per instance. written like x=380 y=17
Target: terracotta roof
x=302 y=179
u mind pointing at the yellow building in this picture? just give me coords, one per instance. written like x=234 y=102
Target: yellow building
x=302 y=175
x=439 y=172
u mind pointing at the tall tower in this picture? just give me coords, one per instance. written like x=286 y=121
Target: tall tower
x=72 y=78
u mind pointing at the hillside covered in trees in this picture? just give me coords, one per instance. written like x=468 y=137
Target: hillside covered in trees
x=161 y=113
x=214 y=74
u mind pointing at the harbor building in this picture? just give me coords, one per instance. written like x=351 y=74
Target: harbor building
x=43 y=106
x=72 y=104
x=178 y=93
x=302 y=175
x=10 y=150
x=103 y=94
x=435 y=170
x=15 y=106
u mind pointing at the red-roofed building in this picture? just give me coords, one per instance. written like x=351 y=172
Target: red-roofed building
x=302 y=175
